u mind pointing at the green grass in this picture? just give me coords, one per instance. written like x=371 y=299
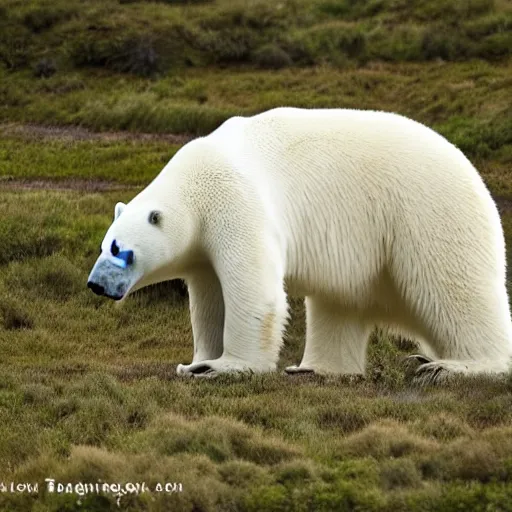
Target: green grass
x=148 y=38
x=88 y=389
x=123 y=162
x=467 y=102
x=73 y=162
x=88 y=392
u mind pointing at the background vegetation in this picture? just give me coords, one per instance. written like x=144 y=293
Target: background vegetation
x=95 y=97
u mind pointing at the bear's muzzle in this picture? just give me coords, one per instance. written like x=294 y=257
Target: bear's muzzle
x=109 y=279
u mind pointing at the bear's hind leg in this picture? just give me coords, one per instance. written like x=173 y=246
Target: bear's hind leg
x=474 y=341
x=335 y=342
x=207 y=316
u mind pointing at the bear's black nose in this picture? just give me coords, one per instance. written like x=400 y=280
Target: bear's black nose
x=96 y=288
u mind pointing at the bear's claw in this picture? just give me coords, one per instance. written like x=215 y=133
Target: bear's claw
x=195 y=370
x=199 y=370
x=420 y=358
x=205 y=373
x=213 y=368
x=294 y=370
x=432 y=373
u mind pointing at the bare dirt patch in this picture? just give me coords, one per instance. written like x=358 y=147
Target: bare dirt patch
x=64 y=185
x=76 y=133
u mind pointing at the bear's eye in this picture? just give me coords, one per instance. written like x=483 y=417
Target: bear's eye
x=114 y=249
x=154 y=217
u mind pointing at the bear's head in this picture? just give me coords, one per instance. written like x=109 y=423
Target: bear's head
x=144 y=245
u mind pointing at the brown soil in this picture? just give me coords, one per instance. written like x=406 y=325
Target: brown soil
x=76 y=133
x=64 y=184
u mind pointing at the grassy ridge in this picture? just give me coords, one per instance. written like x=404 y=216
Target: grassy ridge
x=149 y=37
x=469 y=103
x=69 y=63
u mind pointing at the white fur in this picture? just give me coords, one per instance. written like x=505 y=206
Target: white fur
x=374 y=218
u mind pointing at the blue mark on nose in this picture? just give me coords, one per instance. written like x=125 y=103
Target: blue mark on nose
x=123 y=259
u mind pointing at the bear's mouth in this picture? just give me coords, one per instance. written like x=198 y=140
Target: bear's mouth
x=114 y=297
x=100 y=290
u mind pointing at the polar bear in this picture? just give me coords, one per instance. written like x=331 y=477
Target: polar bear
x=374 y=218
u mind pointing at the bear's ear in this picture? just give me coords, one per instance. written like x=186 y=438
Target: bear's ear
x=118 y=210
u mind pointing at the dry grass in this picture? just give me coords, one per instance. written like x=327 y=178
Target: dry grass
x=88 y=393
x=88 y=390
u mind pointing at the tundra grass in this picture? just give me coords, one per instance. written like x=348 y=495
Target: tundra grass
x=148 y=38
x=88 y=393
x=69 y=161
x=128 y=162
x=467 y=102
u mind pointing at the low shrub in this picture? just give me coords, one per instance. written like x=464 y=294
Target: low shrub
x=334 y=43
x=271 y=56
x=143 y=112
x=135 y=54
x=15 y=46
x=13 y=315
x=452 y=11
x=395 y=43
x=45 y=68
x=440 y=41
x=477 y=138
x=351 y=9
x=44 y=18
x=34 y=242
x=227 y=46
x=55 y=278
x=400 y=473
x=171 y=2
x=495 y=46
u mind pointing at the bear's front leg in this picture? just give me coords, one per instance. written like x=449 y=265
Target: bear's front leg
x=207 y=317
x=255 y=310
